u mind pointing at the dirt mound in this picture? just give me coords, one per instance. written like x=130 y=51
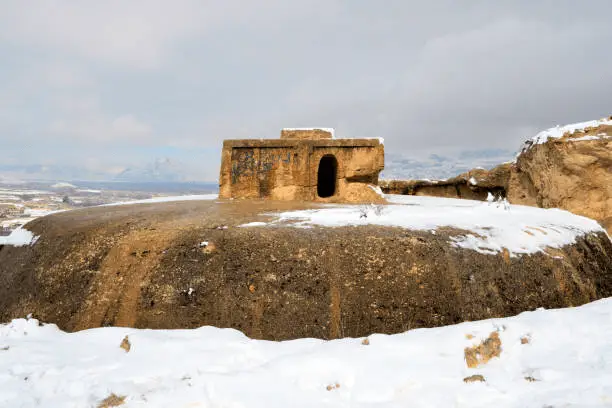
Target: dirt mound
x=572 y=171
x=188 y=264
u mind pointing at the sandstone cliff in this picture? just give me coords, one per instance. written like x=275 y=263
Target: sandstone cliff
x=567 y=167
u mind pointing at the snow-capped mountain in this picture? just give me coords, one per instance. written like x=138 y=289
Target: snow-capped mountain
x=162 y=169
x=434 y=167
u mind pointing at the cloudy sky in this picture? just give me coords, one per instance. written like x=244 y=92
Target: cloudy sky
x=117 y=83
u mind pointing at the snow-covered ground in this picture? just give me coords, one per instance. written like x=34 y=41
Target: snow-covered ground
x=168 y=199
x=18 y=237
x=549 y=358
x=490 y=227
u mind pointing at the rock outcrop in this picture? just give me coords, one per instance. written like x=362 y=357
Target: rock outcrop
x=573 y=172
x=566 y=167
x=188 y=264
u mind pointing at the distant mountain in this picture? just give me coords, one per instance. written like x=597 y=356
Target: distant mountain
x=49 y=172
x=436 y=167
x=162 y=169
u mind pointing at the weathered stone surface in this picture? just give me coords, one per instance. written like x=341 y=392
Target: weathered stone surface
x=301 y=168
x=144 y=266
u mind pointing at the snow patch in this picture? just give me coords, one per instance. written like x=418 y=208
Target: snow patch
x=254 y=224
x=19 y=237
x=63 y=185
x=167 y=199
x=377 y=190
x=586 y=138
x=489 y=228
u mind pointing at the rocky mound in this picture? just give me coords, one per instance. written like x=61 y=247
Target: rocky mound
x=567 y=167
x=281 y=270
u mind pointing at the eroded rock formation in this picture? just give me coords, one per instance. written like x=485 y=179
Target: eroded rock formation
x=567 y=167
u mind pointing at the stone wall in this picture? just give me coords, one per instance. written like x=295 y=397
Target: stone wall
x=287 y=169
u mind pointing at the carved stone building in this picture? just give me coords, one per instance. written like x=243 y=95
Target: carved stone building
x=304 y=165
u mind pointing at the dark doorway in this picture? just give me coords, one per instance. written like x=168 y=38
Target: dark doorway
x=326 y=178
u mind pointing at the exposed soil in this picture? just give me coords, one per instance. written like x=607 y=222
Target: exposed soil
x=144 y=266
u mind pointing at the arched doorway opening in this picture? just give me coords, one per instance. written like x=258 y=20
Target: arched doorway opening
x=326 y=177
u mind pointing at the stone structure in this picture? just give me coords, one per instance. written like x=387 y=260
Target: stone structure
x=304 y=165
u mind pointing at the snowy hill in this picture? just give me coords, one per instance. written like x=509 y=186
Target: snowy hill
x=545 y=358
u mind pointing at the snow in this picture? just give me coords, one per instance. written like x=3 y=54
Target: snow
x=490 y=227
x=24 y=192
x=559 y=131
x=473 y=181
x=63 y=185
x=377 y=190
x=39 y=212
x=19 y=237
x=568 y=357
x=89 y=190
x=330 y=130
x=9 y=197
x=254 y=224
x=167 y=199
x=586 y=138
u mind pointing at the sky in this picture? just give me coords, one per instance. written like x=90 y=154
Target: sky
x=109 y=85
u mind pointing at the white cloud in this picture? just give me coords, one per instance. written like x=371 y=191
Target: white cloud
x=136 y=33
x=186 y=74
x=96 y=128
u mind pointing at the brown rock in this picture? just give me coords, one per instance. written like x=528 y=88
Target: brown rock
x=125 y=344
x=474 y=378
x=575 y=176
x=112 y=401
x=481 y=354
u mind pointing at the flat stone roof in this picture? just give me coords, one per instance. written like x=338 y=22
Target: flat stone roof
x=374 y=142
